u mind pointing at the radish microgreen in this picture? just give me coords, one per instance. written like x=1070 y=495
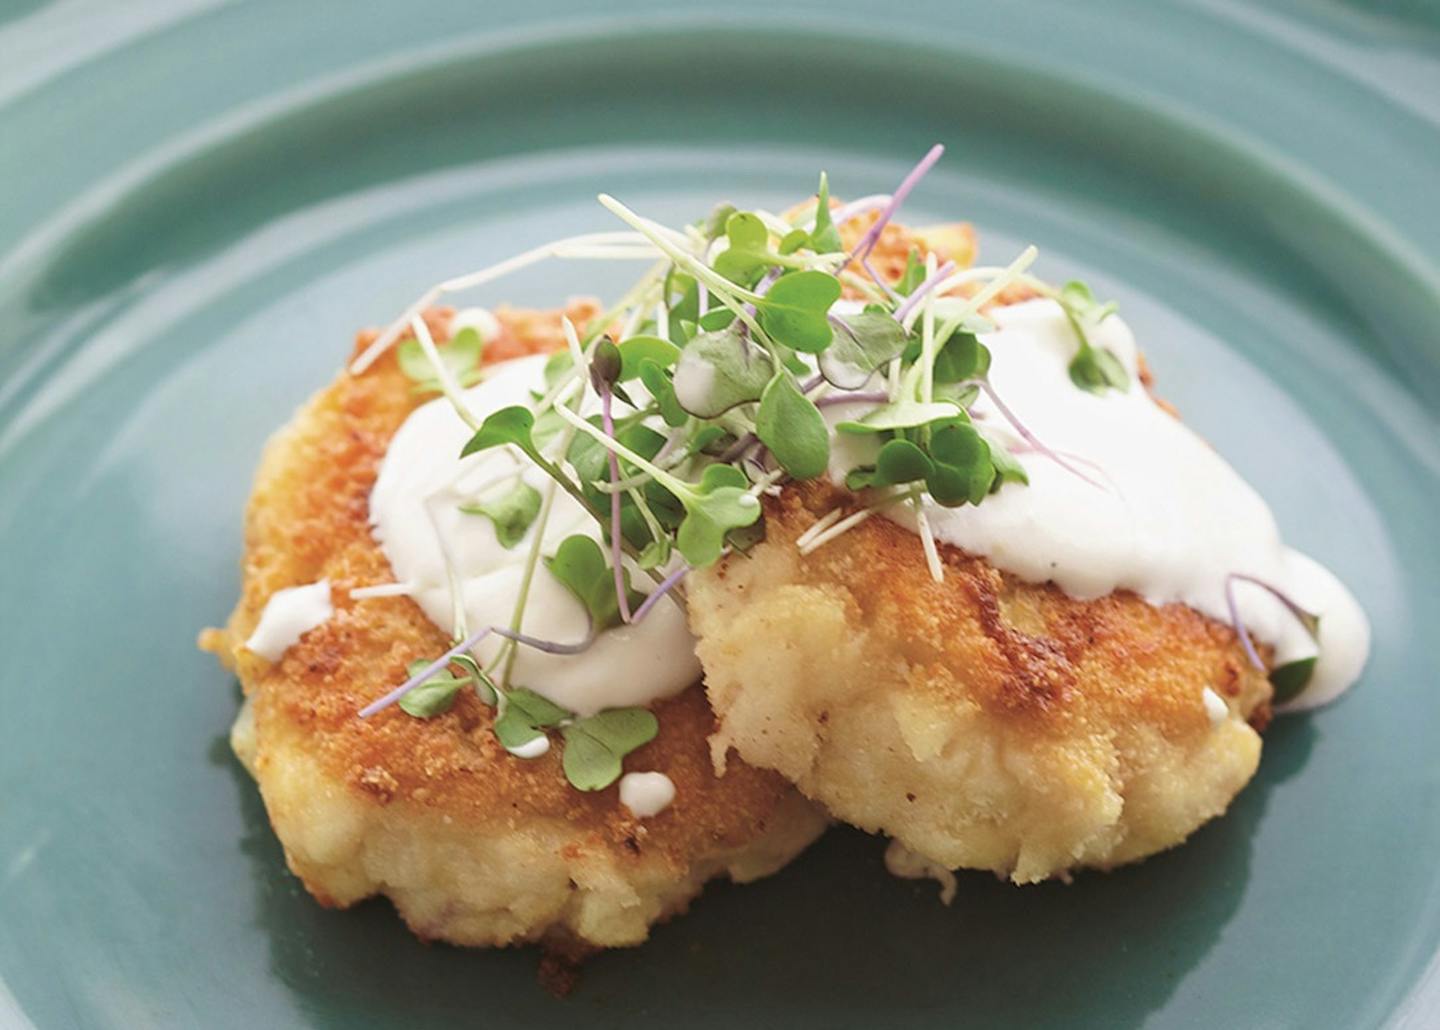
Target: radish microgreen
x=696 y=394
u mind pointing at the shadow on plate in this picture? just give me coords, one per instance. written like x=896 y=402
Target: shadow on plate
x=832 y=939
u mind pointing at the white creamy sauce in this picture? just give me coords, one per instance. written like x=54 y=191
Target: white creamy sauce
x=289 y=614
x=479 y=319
x=415 y=506
x=646 y=793
x=1215 y=706
x=905 y=864
x=1169 y=520
x=531 y=748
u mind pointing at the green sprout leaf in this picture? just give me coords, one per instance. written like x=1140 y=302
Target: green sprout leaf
x=963 y=357
x=901 y=461
x=913 y=275
x=1291 y=679
x=512 y=512
x=863 y=344
x=461 y=356
x=792 y=427
x=964 y=469
x=720 y=503
x=433 y=697
x=557 y=367
x=718 y=371
x=662 y=390
x=527 y=715
x=1094 y=369
x=793 y=241
x=510 y=425
x=904 y=414
x=748 y=255
x=645 y=348
x=596 y=746
x=719 y=217
x=580 y=565
x=794 y=311
x=824 y=238
x=1007 y=468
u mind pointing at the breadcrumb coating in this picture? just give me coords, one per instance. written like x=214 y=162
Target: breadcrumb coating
x=983 y=722
x=473 y=845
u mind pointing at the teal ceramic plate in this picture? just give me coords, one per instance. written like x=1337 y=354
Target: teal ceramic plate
x=201 y=203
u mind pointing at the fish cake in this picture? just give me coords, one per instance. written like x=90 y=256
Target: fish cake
x=473 y=845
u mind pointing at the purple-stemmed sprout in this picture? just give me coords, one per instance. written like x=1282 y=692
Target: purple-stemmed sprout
x=1306 y=618
x=763 y=287
x=878 y=279
x=865 y=397
x=737 y=449
x=665 y=586
x=918 y=294
x=872 y=235
x=468 y=644
x=1029 y=437
x=604 y=370
x=547 y=646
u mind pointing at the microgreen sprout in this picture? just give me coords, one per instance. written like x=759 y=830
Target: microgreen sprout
x=719 y=377
x=1290 y=679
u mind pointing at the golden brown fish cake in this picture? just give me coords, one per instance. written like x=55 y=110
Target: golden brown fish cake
x=983 y=722
x=473 y=845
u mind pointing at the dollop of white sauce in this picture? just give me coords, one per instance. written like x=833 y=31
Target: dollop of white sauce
x=415 y=510
x=531 y=748
x=646 y=793
x=1162 y=514
x=480 y=319
x=288 y=615
x=905 y=864
x=1215 y=706
x=1169 y=518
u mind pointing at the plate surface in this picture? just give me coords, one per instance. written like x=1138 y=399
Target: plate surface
x=204 y=201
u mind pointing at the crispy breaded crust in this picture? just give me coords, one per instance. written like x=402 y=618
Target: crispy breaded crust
x=984 y=722
x=473 y=845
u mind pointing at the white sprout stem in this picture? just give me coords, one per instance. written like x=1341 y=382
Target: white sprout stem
x=662 y=319
x=927 y=540
x=643 y=506
x=848 y=523
x=599 y=253
x=999 y=281
x=449 y=385
x=577 y=352
x=861 y=283
x=766 y=481
x=636 y=295
x=383 y=590
x=392 y=332
x=664 y=478
x=858 y=207
x=458 y=615
x=732 y=296
x=819 y=526
x=527 y=577
x=927 y=348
